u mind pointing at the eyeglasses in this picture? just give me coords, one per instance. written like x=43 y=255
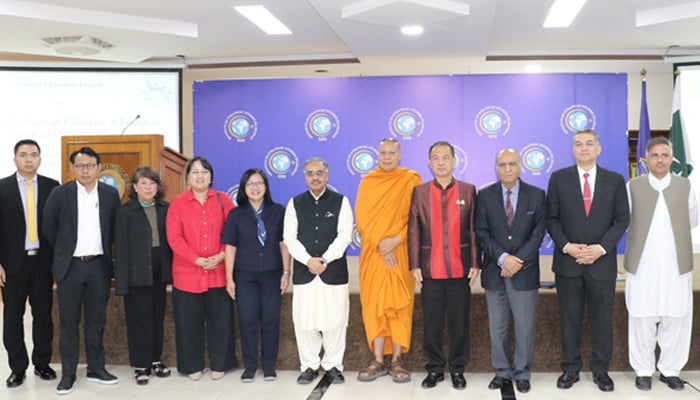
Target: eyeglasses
x=200 y=172
x=254 y=184
x=90 y=166
x=316 y=174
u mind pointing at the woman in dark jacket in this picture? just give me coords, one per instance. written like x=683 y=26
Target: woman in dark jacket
x=143 y=269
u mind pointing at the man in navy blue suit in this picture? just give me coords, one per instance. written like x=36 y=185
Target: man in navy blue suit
x=587 y=213
x=510 y=222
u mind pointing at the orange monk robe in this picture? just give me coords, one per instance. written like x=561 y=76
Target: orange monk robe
x=381 y=210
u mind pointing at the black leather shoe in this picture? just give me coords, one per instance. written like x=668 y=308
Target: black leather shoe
x=604 y=382
x=307 y=376
x=523 y=385
x=567 y=380
x=101 y=376
x=335 y=376
x=15 y=379
x=458 y=381
x=45 y=373
x=432 y=380
x=66 y=385
x=643 y=383
x=496 y=382
x=673 y=382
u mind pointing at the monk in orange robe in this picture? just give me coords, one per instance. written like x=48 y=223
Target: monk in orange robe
x=387 y=287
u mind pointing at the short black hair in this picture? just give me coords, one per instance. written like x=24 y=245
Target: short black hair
x=242 y=197
x=205 y=164
x=149 y=173
x=442 y=143
x=29 y=142
x=88 y=151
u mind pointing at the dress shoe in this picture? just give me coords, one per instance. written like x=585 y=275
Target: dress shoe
x=307 y=376
x=604 y=382
x=567 y=380
x=15 y=379
x=673 y=382
x=335 y=376
x=101 y=376
x=523 y=385
x=458 y=381
x=45 y=373
x=216 y=375
x=66 y=385
x=496 y=382
x=432 y=380
x=643 y=383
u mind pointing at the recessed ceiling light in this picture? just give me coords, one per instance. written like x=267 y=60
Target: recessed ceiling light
x=264 y=19
x=562 y=13
x=533 y=68
x=412 y=30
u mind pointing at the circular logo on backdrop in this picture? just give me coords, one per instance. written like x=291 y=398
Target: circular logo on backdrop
x=537 y=158
x=577 y=117
x=361 y=160
x=492 y=121
x=356 y=240
x=240 y=125
x=462 y=160
x=281 y=162
x=233 y=193
x=322 y=124
x=406 y=123
x=114 y=176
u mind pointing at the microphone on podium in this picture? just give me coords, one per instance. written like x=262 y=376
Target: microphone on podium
x=130 y=123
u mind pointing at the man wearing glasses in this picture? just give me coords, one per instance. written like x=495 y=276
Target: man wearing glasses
x=317 y=230
x=78 y=223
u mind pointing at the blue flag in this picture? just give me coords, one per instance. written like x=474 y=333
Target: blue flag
x=644 y=134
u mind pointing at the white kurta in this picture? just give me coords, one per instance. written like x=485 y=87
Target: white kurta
x=659 y=299
x=657 y=289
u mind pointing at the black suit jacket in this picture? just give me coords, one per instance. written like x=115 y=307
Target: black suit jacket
x=13 y=228
x=567 y=221
x=522 y=239
x=60 y=224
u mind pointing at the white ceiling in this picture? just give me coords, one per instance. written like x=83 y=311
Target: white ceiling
x=209 y=33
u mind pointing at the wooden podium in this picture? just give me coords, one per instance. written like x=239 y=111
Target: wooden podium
x=120 y=155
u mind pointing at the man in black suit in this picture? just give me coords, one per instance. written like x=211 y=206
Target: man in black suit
x=510 y=222
x=25 y=264
x=79 y=223
x=587 y=213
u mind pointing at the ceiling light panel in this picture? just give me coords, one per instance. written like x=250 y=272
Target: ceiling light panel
x=263 y=19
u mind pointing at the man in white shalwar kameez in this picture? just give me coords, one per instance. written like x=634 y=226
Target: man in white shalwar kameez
x=659 y=263
x=317 y=230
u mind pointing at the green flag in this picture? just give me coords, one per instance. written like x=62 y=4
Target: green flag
x=682 y=163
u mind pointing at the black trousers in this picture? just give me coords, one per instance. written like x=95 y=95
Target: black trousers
x=85 y=285
x=32 y=282
x=145 y=310
x=204 y=315
x=598 y=296
x=443 y=298
x=258 y=301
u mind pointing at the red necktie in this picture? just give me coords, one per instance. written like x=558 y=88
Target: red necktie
x=510 y=213
x=587 y=200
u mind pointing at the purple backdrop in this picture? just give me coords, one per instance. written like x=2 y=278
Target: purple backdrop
x=276 y=124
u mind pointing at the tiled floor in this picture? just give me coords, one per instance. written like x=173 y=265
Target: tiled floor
x=230 y=387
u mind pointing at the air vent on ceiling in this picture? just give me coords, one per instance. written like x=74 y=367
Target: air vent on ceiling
x=76 y=45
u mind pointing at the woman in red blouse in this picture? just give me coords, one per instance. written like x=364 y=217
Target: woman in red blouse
x=202 y=308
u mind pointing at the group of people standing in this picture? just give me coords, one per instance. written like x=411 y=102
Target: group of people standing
x=439 y=236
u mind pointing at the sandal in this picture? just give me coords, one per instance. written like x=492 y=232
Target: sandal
x=372 y=372
x=160 y=370
x=141 y=376
x=399 y=373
